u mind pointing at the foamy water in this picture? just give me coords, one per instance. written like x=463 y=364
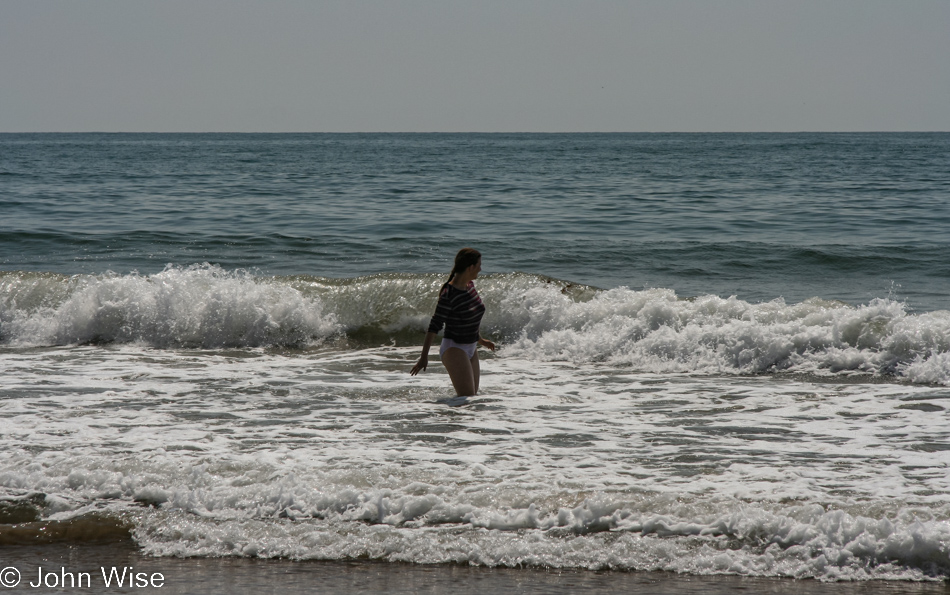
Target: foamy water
x=540 y=319
x=329 y=451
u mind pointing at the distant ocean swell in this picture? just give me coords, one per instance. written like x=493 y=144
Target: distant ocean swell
x=533 y=316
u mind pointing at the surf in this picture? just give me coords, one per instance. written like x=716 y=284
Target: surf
x=534 y=317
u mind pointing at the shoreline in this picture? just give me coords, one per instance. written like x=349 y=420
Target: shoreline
x=237 y=576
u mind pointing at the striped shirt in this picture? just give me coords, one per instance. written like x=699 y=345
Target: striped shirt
x=460 y=311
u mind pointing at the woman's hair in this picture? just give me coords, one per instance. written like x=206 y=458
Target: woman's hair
x=464 y=259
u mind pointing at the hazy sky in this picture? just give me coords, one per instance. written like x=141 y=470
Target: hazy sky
x=477 y=65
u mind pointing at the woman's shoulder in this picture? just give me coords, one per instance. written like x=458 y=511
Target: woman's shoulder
x=449 y=290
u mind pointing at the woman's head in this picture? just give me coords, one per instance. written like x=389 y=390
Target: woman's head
x=465 y=258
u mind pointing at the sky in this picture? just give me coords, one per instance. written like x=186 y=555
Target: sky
x=474 y=65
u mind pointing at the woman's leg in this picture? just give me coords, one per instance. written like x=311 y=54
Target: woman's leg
x=475 y=370
x=459 y=367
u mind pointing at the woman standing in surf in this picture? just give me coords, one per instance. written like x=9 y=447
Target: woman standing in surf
x=460 y=310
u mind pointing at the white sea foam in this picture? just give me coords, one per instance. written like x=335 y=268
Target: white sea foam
x=744 y=540
x=589 y=448
x=536 y=318
x=200 y=306
x=655 y=330
x=240 y=508
x=330 y=453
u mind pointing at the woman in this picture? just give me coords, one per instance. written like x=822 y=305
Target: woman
x=460 y=310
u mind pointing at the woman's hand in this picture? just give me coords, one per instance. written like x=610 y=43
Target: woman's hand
x=420 y=365
x=424 y=358
x=486 y=344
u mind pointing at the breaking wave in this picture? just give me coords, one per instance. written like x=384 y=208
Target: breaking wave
x=199 y=306
x=533 y=316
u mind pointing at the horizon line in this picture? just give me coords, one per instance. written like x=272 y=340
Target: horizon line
x=482 y=132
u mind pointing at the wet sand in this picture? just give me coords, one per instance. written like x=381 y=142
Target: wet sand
x=237 y=576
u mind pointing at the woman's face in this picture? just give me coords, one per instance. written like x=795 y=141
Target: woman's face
x=476 y=268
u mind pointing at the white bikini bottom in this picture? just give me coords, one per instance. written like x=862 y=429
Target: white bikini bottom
x=468 y=348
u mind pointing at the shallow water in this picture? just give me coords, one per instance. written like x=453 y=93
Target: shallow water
x=337 y=454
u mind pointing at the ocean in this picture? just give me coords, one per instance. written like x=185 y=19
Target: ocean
x=721 y=357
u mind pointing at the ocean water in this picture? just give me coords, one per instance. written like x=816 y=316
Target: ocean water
x=719 y=354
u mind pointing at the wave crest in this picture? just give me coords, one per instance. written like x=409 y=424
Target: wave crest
x=534 y=317
x=655 y=330
x=196 y=306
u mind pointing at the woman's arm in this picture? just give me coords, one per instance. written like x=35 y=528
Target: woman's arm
x=442 y=310
x=424 y=358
